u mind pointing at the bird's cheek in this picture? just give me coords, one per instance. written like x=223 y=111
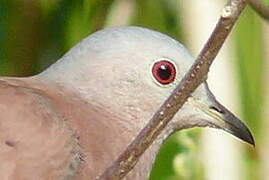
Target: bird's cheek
x=189 y=116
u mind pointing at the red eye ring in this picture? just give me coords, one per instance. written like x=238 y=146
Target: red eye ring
x=164 y=72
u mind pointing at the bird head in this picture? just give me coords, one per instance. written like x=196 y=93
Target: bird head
x=130 y=71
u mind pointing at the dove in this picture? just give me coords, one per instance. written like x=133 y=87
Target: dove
x=72 y=121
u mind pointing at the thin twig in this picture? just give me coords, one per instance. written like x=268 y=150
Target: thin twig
x=260 y=8
x=195 y=76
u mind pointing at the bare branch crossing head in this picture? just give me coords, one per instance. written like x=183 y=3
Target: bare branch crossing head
x=98 y=97
x=133 y=70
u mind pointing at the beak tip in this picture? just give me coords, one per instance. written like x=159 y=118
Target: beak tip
x=246 y=137
x=251 y=140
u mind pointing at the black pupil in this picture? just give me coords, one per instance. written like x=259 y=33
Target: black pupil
x=164 y=72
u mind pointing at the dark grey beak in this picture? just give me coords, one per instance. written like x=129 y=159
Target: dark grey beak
x=230 y=123
x=221 y=118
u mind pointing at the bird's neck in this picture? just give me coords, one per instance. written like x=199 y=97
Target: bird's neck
x=83 y=121
x=137 y=119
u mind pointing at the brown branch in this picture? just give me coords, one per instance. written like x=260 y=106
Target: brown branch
x=260 y=8
x=195 y=76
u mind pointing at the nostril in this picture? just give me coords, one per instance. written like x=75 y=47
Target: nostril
x=216 y=109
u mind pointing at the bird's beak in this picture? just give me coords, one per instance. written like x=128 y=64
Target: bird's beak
x=222 y=118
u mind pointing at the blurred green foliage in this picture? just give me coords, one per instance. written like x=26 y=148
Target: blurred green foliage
x=250 y=64
x=161 y=15
x=250 y=67
x=35 y=33
x=178 y=158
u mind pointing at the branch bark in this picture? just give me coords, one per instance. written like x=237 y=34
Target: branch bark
x=260 y=8
x=195 y=76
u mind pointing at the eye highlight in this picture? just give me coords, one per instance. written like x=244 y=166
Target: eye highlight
x=164 y=72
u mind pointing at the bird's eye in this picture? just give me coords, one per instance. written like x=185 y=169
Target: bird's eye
x=164 y=72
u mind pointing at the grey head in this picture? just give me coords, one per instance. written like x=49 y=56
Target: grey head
x=130 y=71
